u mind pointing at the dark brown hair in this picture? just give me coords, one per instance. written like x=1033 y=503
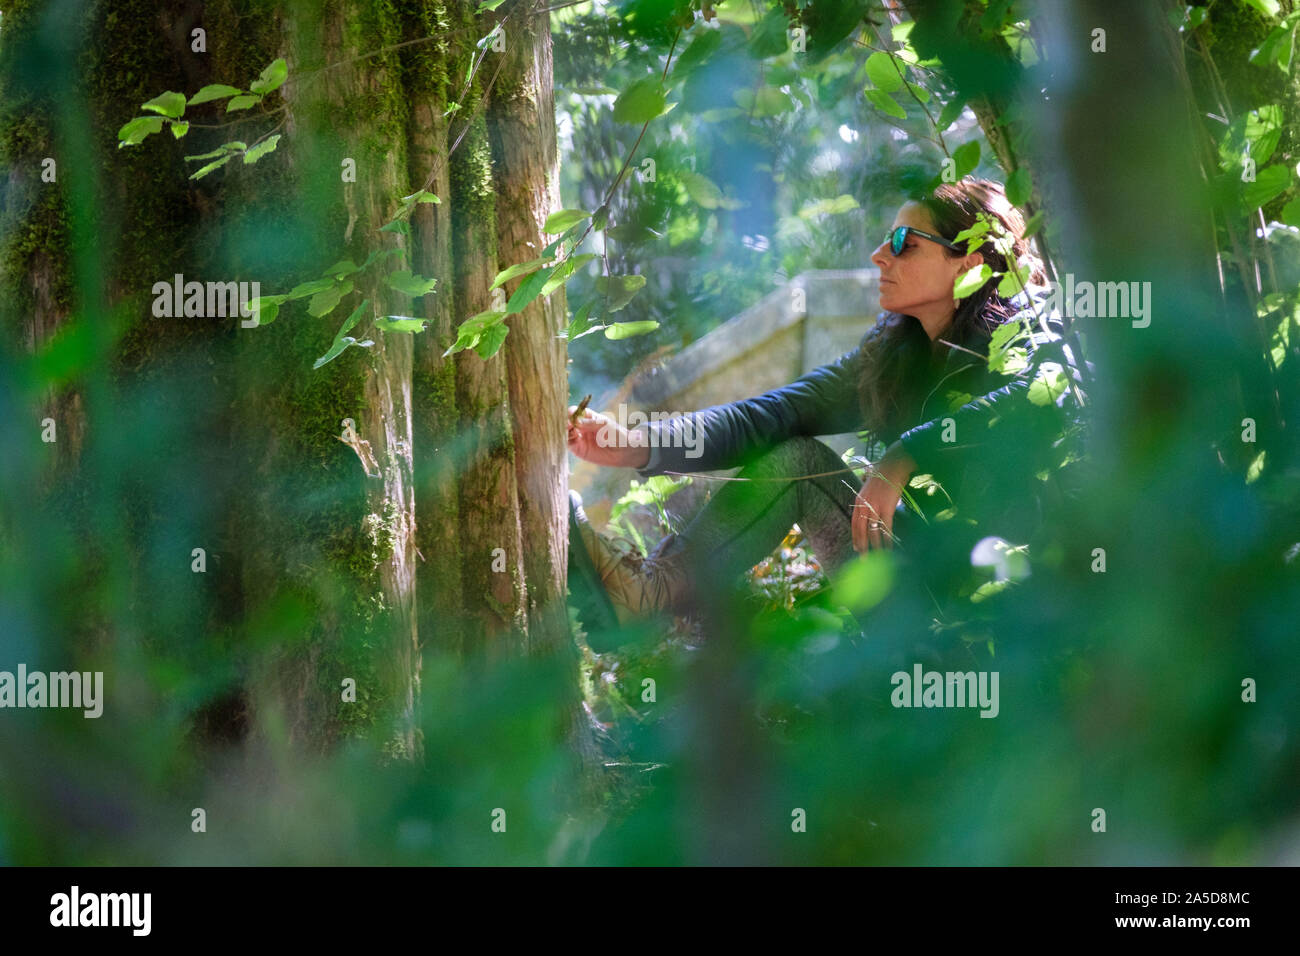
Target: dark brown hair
x=899 y=360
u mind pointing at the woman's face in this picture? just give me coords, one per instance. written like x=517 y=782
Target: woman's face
x=918 y=281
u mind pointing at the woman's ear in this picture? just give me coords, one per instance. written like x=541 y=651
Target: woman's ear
x=970 y=262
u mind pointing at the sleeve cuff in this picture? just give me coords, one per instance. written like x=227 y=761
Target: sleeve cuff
x=653 y=465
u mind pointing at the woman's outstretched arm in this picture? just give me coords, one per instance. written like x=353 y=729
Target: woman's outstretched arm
x=821 y=402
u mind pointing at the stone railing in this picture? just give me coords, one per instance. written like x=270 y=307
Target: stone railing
x=812 y=320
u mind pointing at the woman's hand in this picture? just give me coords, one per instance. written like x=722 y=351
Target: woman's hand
x=600 y=440
x=873 y=511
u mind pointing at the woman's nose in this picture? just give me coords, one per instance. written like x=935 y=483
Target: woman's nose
x=878 y=257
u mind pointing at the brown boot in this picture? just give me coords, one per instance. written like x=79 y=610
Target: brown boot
x=637 y=585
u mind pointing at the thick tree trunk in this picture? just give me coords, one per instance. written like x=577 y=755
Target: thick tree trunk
x=315 y=563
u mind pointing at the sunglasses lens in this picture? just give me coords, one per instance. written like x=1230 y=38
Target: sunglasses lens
x=897 y=239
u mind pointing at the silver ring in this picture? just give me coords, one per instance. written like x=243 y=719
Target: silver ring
x=877 y=524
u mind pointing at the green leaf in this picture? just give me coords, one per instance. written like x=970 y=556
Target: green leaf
x=261 y=149
x=324 y=302
x=486 y=6
x=1013 y=283
x=515 y=271
x=1002 y=339
x=422 y=195
x=376 y=255
x=305 y=289
x=564 y=271
x=341 y=339
x=1048 y=385
x=1267 y=7
x=1291 y=213
x=214 y=91
x=704 y=44
x=413 y=285
x=267 y=313
x=180 y=128
x=864 y=583
x=344 y=267
x=1270 y=182
x=882 y=73
x=966 y=157
x=232 y=147
x=337 y=349
x=472 y=329
x=1034 y=224
x=951 y=110
x=578 y=325
x=1018 y=187
x=267 y=308
x=489 y=342
x=400 y=323
x=626 y=330
x=641 y=102
x=528 y=290
x=397 y=225
x=971 y=280
x=618 y=290
x=885 y=103
x=769 y=101
x=168 y=104
x=829 y=207
x=215 y=164
x=563 y=220
x=920 y=92
x=769 y=36
x=702 y=190
x=134 y=132
x=272 y=77
x=242 y=103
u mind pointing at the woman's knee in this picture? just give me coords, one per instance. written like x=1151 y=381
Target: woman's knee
x=795 y=456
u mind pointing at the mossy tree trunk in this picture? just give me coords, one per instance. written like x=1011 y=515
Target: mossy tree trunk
x=322 y=573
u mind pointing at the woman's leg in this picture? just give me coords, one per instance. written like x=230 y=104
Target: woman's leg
x=744 y=520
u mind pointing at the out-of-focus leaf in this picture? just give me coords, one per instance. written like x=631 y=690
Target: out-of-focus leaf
x=617 y=291
x=400 y=323
x=528 y=290
x=627 y=330
x=971 y=280
x=304 y=289
x=564 y=219
x=641 y=102
x=1270 y=182
x=261 y=149
x=413 y=285
x=489 y=343
x=965 y=158
x=168 y=104
x=324 y=302
x=1018 y=186
x=214 y=91
x=515 y=271
x=885 y=103
x=271 y=79
x=883 y=73
x=134 y=132
x=215 y=164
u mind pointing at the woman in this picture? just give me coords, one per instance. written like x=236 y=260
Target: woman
x=925 y=347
